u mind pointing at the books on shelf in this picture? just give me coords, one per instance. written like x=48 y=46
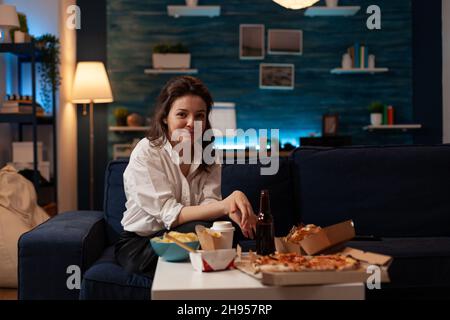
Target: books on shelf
x=360 y=56
x=20 y=106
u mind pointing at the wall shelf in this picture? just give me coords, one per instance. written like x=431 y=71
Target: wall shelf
x=384 y=127
x=128 y=129
x=170 y=71
x=343 y=11
x=193 y=11
x=25 y=118
x=358 y=70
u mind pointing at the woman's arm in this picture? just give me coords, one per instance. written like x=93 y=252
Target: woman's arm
x=236 y=205
x=209 y=211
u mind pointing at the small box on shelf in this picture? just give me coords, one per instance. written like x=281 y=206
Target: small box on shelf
x=23 y=152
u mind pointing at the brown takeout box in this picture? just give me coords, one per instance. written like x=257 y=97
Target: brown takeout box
x=207 y=241
x=326 y=238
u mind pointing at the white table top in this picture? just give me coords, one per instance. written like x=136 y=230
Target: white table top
x=178 y=280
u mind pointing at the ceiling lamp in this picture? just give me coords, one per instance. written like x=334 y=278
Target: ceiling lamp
x=296 y=4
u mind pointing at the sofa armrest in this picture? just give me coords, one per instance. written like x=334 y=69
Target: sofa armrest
x=75 y=238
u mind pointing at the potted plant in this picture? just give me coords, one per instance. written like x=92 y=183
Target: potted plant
x=121 y=115
x=167 y=56
x=20 y=34
x=376 y=110
x=48 y=46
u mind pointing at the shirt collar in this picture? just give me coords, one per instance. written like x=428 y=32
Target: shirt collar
x=174 y=156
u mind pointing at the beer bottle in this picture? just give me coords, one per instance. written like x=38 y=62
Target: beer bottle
x=264 y=226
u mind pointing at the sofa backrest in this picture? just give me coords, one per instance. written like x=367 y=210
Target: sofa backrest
x=114 y=203
x=388 y=191
x=246 y=178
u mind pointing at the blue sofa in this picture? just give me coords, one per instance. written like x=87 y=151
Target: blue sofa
x=397 y=196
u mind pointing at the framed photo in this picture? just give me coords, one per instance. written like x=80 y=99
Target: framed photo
x=285 y=41
x=330 y=124
x=251 y=41
x=276 y=76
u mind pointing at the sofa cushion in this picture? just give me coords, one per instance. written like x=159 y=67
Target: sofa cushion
x=393 y=191
x=418 y=262
x=115 y=199
x=107 y=280
x=248 y=179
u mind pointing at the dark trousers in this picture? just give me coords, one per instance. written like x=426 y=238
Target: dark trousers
x=135 y=253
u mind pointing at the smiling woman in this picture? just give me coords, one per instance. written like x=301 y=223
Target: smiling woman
x=166 y=192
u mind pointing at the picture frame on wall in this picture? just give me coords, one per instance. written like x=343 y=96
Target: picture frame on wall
x=279 y=76
x=251 y=41
x=285 y=42
x=330 y=124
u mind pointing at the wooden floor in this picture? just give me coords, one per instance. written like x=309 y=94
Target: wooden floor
x=8 y=294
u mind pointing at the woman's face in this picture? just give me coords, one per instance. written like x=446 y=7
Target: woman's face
x=183 y=113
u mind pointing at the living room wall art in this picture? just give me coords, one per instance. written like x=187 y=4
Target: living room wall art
x=134 y=27
x=276 y=76
x=281 y=41
x=251 y=41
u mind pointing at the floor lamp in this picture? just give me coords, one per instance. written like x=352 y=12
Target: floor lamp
x=91 y=85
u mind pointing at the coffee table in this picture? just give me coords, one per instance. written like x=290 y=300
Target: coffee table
x=179 y=281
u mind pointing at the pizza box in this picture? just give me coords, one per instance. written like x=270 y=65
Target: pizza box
x=367 y=259
x=326 y=238
x=329 y=277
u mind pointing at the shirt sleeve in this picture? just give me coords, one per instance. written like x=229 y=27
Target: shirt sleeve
x=149 y=188
x=212 y=188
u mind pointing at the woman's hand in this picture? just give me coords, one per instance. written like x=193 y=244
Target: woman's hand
x=237 y=206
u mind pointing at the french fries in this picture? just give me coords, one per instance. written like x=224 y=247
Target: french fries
x=183 y=237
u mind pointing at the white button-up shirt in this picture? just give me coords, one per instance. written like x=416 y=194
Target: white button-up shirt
x=156 y=189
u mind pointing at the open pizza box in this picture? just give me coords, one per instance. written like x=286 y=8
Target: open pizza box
x=327 y=238
x=372 y=265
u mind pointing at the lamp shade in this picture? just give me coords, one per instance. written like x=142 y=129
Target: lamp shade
x=91 y=83
x=296 y=4
x=8 y=16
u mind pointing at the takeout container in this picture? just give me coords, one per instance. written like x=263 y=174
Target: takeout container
x=225 y=231
x=324 y=239
x=213 y=260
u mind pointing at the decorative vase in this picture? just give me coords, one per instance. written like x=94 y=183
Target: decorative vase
x=171 y=60
x=135 y=120
x=332 y=3
x=376 y=119
x=371 y=63
x=346 y=61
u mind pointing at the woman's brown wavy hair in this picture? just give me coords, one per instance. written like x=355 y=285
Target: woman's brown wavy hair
x=176 y=88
